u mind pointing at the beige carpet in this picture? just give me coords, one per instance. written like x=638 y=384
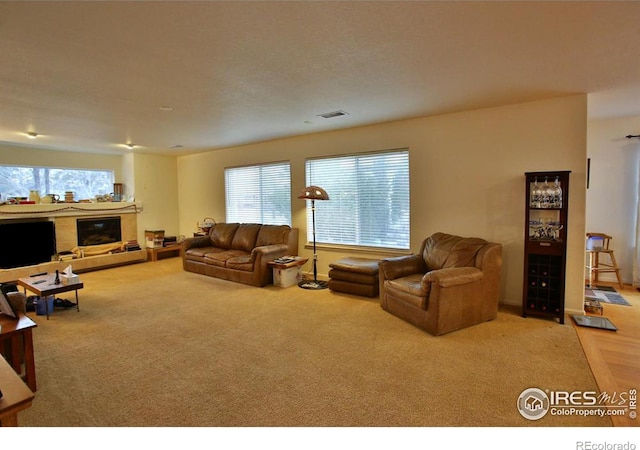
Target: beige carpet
x=155 y=346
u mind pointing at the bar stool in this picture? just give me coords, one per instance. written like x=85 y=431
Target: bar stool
x=597 y=244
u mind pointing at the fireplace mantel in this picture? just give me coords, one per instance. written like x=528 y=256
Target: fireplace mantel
x=68 y=209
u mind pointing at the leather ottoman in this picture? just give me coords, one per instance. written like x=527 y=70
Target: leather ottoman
x=357 y=276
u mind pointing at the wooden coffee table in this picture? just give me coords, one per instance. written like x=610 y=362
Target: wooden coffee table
x=44 y=286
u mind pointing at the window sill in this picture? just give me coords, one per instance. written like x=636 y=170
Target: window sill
x=359 y=249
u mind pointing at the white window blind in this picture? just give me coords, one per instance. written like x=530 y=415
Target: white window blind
x=368 y=199
x=259 y=194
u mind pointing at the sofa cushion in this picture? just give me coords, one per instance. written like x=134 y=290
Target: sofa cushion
x=220 y=258
x=222 y=234
x=197 y=253
x=242 y=262
x=273 y=234
x=245 y=237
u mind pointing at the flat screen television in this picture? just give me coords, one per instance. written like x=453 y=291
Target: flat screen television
x=24 y=243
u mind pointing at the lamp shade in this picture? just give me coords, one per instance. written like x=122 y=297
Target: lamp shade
x=313 y=193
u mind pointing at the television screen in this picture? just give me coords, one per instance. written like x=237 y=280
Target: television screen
x=26 y=243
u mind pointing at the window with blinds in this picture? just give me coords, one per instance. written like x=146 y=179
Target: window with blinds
x=259 y=194
x=368 y=199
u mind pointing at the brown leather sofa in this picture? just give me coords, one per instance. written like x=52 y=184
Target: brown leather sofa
x=239 y=252
x=453 y=283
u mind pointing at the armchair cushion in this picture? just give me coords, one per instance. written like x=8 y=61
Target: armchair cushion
x=444 y=250
x=413 y=285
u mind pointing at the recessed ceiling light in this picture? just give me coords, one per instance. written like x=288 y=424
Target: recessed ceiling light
x=177 y=146
x=166 y=108
x=32 y=135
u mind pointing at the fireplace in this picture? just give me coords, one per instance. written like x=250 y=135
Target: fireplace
x=96 y=231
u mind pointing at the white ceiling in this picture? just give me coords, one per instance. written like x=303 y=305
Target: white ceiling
x=91 y=76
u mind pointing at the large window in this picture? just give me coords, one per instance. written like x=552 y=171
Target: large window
x=368 y=199
x=259 y=194
x=16 y=181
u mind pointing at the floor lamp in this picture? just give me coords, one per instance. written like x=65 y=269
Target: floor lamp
x=314 y=193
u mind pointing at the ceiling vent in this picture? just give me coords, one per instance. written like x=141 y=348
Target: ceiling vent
x=333 y=114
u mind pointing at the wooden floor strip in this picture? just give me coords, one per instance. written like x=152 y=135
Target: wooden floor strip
x=614 y=356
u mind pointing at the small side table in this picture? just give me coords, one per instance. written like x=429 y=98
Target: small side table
x=175 y=250
x=289 y=273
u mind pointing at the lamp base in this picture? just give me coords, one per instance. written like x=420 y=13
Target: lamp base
x=313 y=284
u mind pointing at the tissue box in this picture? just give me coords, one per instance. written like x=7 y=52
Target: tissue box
x=69 y=279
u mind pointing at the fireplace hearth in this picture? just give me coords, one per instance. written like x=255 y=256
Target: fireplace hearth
x=96 y=231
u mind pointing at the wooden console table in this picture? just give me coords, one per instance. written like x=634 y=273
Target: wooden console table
x=152 y=253
x=18 y=333
x=16 y=396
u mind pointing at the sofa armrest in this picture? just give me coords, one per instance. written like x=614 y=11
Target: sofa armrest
x=400 y=266
x=453 y=276
x=194 y=242
x=267 y=253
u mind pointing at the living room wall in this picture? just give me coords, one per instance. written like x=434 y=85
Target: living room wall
x=612 y=196
x=155 y=185
x=467 y=177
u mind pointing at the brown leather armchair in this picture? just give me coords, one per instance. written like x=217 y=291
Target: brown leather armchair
x=453 y=283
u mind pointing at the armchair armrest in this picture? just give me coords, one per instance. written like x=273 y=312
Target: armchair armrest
x=401 y=266
x=453 y=276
